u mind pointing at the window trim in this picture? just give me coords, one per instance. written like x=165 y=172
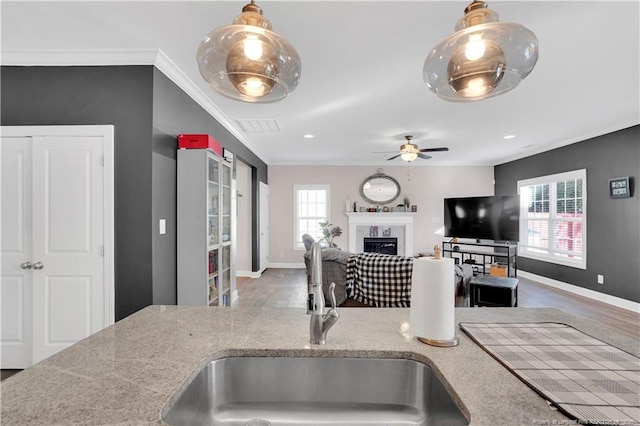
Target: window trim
x=552 y=180
x=298 y=245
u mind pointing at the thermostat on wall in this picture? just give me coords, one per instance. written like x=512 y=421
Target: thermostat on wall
x=227 y=155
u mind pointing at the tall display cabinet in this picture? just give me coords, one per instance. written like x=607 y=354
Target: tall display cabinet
x=205 y=231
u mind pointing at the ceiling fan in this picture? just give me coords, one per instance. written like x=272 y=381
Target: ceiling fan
x=409 y=151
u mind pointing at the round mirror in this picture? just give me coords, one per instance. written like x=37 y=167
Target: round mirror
x=379 y=189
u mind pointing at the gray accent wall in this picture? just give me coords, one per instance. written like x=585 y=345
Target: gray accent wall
x=148 y=111
x=174 y=112
x=613 y=225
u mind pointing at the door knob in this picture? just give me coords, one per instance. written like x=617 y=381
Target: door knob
x=26 y=265
x=38 y=265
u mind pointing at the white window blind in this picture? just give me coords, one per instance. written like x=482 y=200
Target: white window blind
x=311 y=206
x=553 y=223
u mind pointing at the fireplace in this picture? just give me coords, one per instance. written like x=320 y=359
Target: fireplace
x=397 y=225
x=385 y=245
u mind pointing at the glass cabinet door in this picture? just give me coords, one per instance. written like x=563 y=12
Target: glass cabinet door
x=225 y=266
x=213 y=277
x=226 y=202
x=213 y=201
x=225 y=272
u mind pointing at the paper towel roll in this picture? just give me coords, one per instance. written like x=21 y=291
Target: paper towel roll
x=432 y=298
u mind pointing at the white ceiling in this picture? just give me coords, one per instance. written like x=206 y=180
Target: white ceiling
x=361 y=89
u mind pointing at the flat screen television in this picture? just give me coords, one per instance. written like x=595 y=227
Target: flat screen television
x=483 y=218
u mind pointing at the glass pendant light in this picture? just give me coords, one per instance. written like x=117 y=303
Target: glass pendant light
x=409 y=152
x=247 y=61
x=483 y=58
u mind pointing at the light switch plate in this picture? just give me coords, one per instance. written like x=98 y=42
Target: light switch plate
x=163 y=226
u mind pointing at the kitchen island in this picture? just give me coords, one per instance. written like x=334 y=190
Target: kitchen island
x=126 y=373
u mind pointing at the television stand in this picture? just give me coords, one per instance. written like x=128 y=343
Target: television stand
x=483 y=255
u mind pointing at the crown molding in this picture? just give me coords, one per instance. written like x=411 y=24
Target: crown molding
x=64 y=58
x=155 y=57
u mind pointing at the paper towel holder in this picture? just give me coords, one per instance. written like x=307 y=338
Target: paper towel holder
x=454 y=341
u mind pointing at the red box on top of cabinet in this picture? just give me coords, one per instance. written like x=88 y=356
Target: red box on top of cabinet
x=199 y=142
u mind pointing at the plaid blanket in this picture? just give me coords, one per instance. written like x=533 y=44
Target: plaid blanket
x=380 y=280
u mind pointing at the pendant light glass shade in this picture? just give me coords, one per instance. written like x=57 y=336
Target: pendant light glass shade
x=483 y=58
x=247 y=61
x=409 y=152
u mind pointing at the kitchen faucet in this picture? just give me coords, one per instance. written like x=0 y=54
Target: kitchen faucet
x=320 y=322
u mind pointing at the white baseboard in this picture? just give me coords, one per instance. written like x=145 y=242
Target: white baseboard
x=249 y=274
x=286 y=265
x=591 y=294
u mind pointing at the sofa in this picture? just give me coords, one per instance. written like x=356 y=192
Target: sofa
x=334 y=269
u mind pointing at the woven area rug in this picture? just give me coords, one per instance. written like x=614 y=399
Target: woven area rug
x=585 y=378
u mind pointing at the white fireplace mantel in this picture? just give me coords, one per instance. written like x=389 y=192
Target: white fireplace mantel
x=381 y=219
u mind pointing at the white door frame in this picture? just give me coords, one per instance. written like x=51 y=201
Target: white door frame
x=263 y=190
x=107 y=134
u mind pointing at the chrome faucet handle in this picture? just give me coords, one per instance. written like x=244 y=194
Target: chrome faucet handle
x=332 y=289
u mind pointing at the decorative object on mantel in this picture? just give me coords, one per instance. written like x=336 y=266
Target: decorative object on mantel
x=414 y=208
x=329 y=232
x=379 y=188
x=483 y=58
x=248 y=62
x=407 y=203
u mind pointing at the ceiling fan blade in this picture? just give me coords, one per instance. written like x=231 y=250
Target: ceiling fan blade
x=434 y=149
x=424 y=156
x=395 y=156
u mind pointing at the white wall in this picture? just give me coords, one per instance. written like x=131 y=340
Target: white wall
x=425 y=186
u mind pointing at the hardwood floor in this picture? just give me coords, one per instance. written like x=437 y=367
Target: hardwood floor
x=276 y=288
x=288 y=288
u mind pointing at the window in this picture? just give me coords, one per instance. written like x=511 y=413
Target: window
x=553 y=219
x=311 y=206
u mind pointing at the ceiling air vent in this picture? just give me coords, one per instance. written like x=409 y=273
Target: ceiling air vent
x=258 y=126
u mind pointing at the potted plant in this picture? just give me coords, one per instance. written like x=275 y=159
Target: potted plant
x=329 y=232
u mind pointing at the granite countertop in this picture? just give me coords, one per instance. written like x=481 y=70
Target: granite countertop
x=125 y=373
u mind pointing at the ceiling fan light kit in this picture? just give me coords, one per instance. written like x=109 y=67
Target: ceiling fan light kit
x=409 y=152
x=483 y=58
x=246 y=61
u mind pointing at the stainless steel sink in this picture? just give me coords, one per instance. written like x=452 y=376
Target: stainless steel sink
x=318 y=391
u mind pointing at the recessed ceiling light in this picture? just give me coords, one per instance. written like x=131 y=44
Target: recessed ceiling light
x=510 y=136
x=308 y=136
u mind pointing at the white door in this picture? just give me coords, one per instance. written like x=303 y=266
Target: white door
x=15 y=231
x=66 y=290
x=264 y=226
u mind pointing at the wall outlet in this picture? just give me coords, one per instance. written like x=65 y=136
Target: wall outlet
x=600 y=279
